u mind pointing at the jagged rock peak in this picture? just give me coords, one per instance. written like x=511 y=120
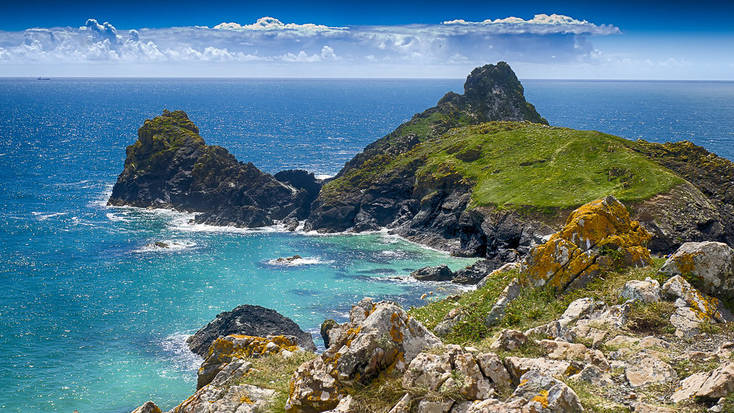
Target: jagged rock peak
x=493 y=92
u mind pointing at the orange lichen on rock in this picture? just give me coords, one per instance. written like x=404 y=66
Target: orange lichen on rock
x=597 y=236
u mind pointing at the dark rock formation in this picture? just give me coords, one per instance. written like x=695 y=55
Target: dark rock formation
x=439 y=273
x=474 y=273
x=170 y=166
x=249 y=320
x=432 y=212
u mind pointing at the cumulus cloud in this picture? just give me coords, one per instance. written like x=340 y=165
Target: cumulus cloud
x=270 y=41
x=539 y=24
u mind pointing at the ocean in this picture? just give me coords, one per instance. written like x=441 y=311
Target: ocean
x=93 y=316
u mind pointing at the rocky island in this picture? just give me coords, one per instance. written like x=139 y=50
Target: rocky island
x=607 y=282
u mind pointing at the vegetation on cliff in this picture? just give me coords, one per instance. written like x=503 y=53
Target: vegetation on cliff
x=519 y=164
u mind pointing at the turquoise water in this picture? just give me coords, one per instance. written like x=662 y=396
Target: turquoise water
x=93 y=318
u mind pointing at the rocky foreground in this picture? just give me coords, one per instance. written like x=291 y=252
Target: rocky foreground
x=589 y=321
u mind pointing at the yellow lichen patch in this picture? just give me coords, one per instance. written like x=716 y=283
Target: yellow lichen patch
x=686 y=262
x=245 y=399
x=596 y=237
x=234 y=346
x=395 y=332
x=542 y=398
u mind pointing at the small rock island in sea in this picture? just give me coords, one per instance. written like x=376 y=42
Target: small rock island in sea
x=575 y=308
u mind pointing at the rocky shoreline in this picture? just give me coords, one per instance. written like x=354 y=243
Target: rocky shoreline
x=620 y=332
x=574 y=308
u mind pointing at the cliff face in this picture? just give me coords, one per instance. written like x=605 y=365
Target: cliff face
x=491 y=93
x=170 y=166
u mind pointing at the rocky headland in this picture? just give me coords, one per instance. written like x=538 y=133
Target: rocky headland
x=480 y=174
x=607 y=283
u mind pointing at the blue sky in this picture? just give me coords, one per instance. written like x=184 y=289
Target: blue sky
x=571 y=39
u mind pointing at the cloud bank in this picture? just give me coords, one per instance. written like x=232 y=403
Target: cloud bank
x=268 y=42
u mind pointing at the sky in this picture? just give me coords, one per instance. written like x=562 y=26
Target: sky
x=548 y=40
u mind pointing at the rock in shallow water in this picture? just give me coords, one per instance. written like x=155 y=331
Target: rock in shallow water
x=439 y=273
x=249 y=320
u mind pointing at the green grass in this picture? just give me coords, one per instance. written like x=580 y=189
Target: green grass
x=536 y=165
x=513 y=164
x=534 y=306
x=475 y=304
x=275 y=373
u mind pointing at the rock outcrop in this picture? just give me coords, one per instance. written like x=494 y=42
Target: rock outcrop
x=693 y=308
x=429 y=211
x=170 y=166
x=710 y=264
x=225 y=349
x=439 y=273
x=225 y=393
x=248 y=320
x=597 y=237
x=379 y=337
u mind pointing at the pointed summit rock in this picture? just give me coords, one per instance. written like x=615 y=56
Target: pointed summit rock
x=492 y=92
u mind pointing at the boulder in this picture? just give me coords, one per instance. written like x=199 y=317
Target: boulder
x=647 y=291
x=147 y=407
x=518 y=366
x=646 y=369
x=692 y=307
x=326 y=326
x=543 y=393
x=226 y=349
x=711 y=264
x=563 y=350
x=249 y=320
x=707 y=386
x=509 y=340
x=225 y=394
x=379 y=337
x=439 y=273
x=594 y=376
x=597 y=237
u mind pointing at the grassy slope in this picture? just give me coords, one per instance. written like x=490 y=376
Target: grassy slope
x=524 y=164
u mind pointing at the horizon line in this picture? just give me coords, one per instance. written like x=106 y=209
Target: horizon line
x=339 y=78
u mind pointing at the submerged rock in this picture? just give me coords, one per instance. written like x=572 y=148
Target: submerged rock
x=439 y=273
x=249 y=320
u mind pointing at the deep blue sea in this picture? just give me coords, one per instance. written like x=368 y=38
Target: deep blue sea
x=92 y=318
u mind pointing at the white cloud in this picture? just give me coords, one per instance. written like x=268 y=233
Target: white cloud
x=270 y=41
x=273 y=24
x=539 y=24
